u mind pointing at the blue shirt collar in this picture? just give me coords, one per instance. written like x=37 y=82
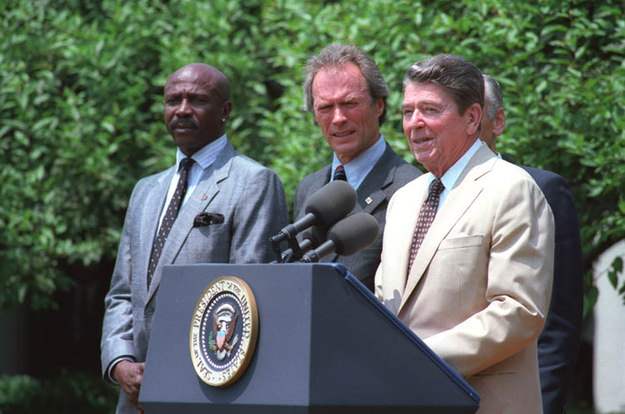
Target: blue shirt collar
x=357 y=169
x=453 y=173
x=206 y=156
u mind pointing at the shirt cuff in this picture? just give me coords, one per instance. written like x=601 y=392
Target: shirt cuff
x=109 y=371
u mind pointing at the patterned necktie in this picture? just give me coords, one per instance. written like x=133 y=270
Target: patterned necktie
x=170 y=216
x=339 y=173
x=426 y=217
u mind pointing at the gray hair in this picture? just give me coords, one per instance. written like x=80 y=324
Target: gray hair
x=338 y=54
x=459 y=77
x=493 y=95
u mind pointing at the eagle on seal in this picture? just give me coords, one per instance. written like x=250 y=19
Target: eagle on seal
x=224 y=322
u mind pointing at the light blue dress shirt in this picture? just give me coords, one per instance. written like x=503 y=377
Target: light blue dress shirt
x=453 y=173
x=357 y=169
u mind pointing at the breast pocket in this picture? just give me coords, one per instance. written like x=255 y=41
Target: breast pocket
x=207 y=244
x=462 y=262
x=460 y=242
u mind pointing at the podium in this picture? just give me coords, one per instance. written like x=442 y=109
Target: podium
x=325 y=345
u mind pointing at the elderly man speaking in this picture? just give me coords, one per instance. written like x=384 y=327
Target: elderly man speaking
x=467 y=261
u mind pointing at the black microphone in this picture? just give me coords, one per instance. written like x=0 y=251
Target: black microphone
x=323 y=208
x=346 y=237
x=310 y=239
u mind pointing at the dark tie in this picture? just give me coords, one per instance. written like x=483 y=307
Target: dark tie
x=339 y=173
x=170 y=216
x=426 y=217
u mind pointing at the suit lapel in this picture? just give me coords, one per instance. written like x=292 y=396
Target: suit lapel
x=153 y=207
x=371 y=192
x=403 y=232
x=466 y=189
x=202 y=196
x=208 y=187
x=323 y=178
x=324 y=175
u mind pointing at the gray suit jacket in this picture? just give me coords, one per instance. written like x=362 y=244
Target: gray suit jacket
x=389 y=174
x=251 y=199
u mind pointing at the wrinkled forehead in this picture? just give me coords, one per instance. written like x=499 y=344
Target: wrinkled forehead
x=343 y=81
x=426 y=91
x=189 y=79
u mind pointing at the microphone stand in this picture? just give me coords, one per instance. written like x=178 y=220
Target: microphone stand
x=296 y=251
x=295 y=254
x=275 y=244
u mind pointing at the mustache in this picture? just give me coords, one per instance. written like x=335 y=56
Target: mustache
x=183 y=123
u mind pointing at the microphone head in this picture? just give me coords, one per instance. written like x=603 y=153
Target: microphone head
x=331 y=202
x=353 y=233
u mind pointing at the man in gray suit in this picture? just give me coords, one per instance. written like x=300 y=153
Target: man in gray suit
x=214 y=205
x=346 y=93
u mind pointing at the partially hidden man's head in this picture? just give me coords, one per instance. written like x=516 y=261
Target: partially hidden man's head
x=494 y=118
x=346 y=93
x=442 y=110
x=196 y=106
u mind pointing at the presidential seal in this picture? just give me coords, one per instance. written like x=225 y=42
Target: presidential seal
x=224 y=330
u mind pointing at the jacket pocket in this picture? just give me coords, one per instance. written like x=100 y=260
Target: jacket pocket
x=459 y=242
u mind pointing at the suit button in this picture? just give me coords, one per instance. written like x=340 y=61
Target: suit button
x=149 y=311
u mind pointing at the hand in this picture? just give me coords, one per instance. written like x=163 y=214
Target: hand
x=129 y=376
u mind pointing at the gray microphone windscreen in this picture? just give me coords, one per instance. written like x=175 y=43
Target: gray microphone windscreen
x=331 y=202
x=353 y=233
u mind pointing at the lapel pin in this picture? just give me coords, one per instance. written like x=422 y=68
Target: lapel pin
x=204 y=197
x=368 y=200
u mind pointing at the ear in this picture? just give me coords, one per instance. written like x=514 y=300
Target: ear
x=499 y=123
x=474 y=118
x=379 y=107
x=226 y=108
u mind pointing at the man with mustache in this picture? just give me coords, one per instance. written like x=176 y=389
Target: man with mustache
x=346 y=93
x=214 y=205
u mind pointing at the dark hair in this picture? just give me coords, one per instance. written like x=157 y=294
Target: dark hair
x=461 y=78
x=338 y=54
x=494 y=95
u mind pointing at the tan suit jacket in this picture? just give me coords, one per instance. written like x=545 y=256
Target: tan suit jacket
x=480 y=286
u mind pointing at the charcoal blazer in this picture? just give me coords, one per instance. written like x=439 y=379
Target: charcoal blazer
x=479 y=288
x=251 y=199
x=559 y=341
x=389 y=174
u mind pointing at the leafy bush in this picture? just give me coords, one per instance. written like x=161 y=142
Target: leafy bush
x=70 y=392
x=81 y=86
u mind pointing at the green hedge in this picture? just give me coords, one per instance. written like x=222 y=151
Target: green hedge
x=70 y=392
x=81 y=103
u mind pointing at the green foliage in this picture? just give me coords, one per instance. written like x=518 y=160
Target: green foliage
x=616 y=269
x=81 y=93
x=78 y=106
x=70 y=392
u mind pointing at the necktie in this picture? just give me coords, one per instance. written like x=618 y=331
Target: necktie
x=339 y=173
x=426 y=217
x=170 y=216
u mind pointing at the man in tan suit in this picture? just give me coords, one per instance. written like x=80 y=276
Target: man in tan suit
x=469 y=266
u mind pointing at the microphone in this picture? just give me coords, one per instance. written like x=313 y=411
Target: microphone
x=323 y=208
x=346 y=237
x=310 y=239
